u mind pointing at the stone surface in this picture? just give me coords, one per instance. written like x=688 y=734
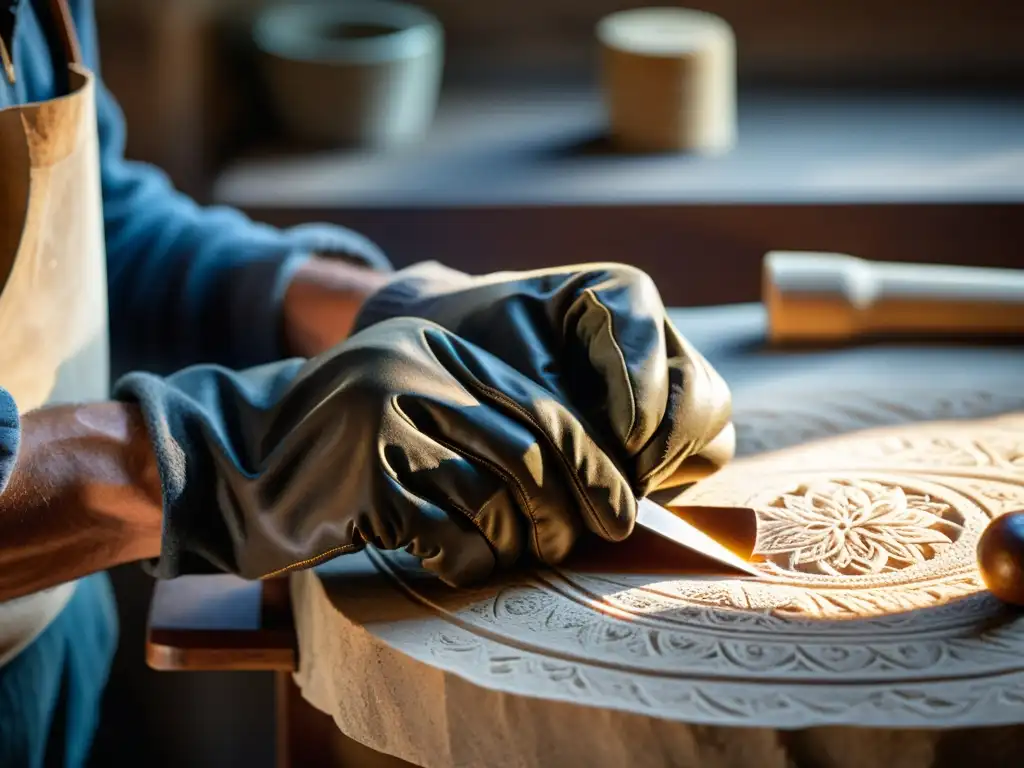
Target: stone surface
x=871 y=495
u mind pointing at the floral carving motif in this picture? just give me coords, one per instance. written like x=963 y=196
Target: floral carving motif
x=844 y=529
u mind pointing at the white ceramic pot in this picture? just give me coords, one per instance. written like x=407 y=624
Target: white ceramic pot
x=365 y=72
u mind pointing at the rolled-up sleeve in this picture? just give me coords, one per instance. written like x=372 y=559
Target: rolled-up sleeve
x=191 y=284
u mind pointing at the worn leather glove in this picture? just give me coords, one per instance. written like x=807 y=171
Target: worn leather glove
x=596 y=336
x=405 y=436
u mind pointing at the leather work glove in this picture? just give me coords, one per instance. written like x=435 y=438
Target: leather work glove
x=596 y=336
x=405 y=436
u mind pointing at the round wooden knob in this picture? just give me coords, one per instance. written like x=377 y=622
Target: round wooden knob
x=1001 y=557
x=669 y=80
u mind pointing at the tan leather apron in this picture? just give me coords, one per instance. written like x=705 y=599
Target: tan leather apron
x=53 y=283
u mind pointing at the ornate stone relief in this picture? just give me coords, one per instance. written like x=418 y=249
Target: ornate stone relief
x=870 y=611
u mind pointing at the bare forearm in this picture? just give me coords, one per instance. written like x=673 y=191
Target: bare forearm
x=84 y=497
x=322 y=302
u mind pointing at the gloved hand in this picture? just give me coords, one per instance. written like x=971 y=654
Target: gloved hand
x=405 y=436
x=596 y=336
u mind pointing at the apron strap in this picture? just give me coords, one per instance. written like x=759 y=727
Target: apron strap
x=66 y=31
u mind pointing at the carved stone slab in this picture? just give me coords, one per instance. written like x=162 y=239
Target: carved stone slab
x=870 y=613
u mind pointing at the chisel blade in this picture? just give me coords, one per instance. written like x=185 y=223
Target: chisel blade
x=662 y=522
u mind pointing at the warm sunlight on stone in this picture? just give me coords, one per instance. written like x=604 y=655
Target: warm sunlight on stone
x=869 y=609
x=855 y=529
x=869 y=523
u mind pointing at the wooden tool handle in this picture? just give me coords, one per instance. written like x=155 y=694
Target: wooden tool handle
x=833 y=297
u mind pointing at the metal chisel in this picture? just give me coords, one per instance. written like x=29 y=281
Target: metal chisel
x=663 y=522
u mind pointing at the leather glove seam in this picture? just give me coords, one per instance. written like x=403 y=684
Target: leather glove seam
x=309 y=562
x=622 y=359
x=498 y=395
x=693 y=447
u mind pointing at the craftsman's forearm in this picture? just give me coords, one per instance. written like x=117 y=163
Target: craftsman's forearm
x=84 y=497
x=322 y=301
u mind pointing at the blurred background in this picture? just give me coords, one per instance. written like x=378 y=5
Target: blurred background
x=888 y=129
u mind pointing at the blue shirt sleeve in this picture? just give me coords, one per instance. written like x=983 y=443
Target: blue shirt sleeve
x=189 y=284
x=10 y=437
